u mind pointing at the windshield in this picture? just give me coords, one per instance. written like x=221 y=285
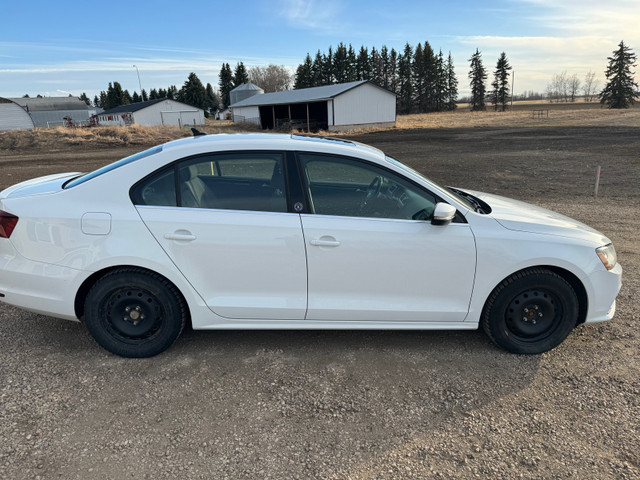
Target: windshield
x=107 y=168
x=445 y=191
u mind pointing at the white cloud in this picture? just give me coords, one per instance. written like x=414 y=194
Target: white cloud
x=321 y=16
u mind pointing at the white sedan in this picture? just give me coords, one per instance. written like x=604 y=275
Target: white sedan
x=264 y=231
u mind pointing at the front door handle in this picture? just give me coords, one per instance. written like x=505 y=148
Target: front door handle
x=181 y=236
x=325 y=241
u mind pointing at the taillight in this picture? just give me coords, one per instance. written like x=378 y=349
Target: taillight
x=7 y=224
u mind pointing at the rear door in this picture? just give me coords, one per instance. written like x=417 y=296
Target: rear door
x=223 y=220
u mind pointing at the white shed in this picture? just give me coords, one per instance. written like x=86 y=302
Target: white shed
x=13 y=116
x=344 y=106
x=161 y=111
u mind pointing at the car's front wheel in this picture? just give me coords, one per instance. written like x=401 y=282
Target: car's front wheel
x=134 y=313
x=531 y=311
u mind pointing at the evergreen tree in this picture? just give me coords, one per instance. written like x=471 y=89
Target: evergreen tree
x=377 y=75
x=419 y=77
x=225 y=84
x=304 y=74
x=621 y=89
x=153 y=94
x=430 y=78
x=114 y=97
x=240 y=75
x=384 y=57
x=144 y=95
x=172 y=92
x=500 y=93
x=162 y=93
x=440 y=83
x=393 y=71
x=363 y=65
x=212 y=100
x=103 y=102
x=193 y=92
x=477 y=75
x=341 y=64
x=135 y=98
x=127 y=97
x=329 y=71
x=404 y=78
x=317 y=70
x=351 y=64
x=452 y=85
x=96 y=101
x=85 y=99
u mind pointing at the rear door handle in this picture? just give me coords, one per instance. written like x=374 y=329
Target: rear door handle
x=181 y=236
x=325 y=242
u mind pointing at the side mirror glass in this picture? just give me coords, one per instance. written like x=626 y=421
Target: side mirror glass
x=443 y=214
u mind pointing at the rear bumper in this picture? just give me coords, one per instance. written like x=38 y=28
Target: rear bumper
x=35 y=286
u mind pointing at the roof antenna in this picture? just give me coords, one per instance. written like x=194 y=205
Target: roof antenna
x=196 y=132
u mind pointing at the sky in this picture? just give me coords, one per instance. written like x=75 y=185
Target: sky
x=69 y=47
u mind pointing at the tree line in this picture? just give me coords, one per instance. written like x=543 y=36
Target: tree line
x=423 y=80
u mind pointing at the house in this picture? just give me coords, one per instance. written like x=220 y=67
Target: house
x=343 y=106
x=161 y=111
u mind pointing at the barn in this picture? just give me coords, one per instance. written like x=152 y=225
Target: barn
x=13 y=116
x=52 y=111
x=161 y=111
x=344 y=106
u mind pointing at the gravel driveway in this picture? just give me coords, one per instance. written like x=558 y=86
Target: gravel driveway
x=359 y=405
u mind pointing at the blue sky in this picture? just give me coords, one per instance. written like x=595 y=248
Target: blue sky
x=57 y=48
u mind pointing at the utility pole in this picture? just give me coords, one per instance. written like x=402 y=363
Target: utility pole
x=139 y=83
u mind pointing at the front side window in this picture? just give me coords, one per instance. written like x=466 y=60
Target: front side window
x=348 y=187
x=246 y=181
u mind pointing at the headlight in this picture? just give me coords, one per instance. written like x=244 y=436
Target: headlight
x=608 y=256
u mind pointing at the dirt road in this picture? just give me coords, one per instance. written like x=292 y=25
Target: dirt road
x=350 y=404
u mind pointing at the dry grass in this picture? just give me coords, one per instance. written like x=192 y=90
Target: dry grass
x=521 y=116
x=99 y=137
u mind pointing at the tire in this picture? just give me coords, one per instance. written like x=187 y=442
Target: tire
x=134 y=313
x=531 y=311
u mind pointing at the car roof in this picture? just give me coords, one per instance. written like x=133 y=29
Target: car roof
x=275 y=141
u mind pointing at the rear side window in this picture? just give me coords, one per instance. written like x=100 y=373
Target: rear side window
x=243 y=181
x=159 y=189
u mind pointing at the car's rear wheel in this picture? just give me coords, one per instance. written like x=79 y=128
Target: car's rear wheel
x=134 y=313
x=531 y=311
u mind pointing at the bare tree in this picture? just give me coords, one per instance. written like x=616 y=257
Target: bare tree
x=590 y=86
x=573 y=84
x=274 y=78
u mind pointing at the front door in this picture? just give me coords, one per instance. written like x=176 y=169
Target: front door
x=373 y=254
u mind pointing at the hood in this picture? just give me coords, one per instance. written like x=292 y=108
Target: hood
x=524 y=217
x=38 y=186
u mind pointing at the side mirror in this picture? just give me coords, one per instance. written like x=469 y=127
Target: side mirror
x=443 y=214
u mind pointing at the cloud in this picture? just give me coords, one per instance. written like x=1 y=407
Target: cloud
x=322 y=17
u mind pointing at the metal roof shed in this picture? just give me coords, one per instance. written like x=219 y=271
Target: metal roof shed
x=13 y=116
x=51 y=111
x=343 y=106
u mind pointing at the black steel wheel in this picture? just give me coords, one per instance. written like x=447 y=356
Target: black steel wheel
x=134 y=313
x=532 y=311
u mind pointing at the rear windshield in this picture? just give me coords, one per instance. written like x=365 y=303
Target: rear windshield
x=107 y=168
